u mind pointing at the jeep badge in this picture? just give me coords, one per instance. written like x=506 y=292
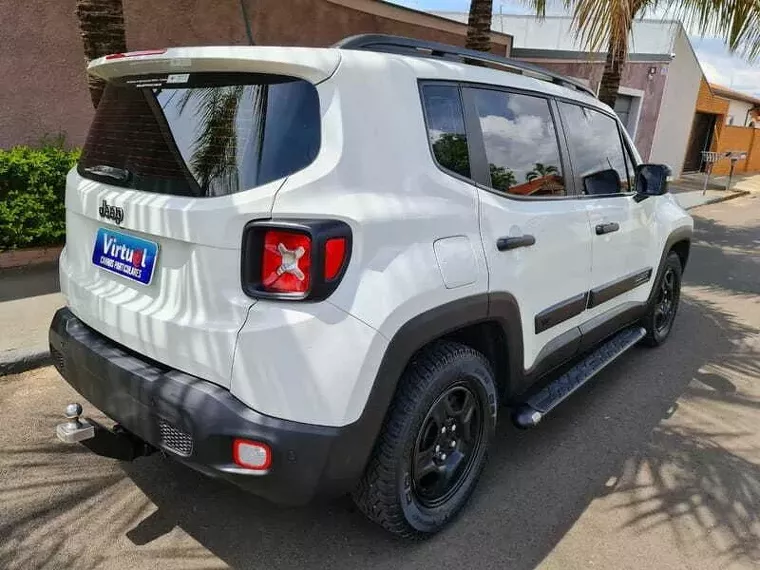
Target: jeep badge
x=113 y=213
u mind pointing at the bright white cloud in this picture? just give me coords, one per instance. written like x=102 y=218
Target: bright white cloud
x=520 y=143
x=726 y=69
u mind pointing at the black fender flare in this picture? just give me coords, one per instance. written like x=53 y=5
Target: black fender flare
x=358 y=439
x=683 y=233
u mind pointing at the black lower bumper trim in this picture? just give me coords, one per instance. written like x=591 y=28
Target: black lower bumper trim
x=145 y=397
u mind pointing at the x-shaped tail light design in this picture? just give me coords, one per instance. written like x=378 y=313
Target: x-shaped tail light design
x=290 y=259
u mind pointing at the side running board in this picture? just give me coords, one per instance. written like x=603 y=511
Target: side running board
x=530 y=412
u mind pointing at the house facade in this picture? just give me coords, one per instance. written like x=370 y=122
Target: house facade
x=659 y=83
x=724 y=121
x=45 y=90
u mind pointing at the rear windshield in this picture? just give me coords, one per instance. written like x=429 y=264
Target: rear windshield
x=201 y=134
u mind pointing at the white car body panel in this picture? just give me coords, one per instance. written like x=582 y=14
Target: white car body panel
x=556 y=268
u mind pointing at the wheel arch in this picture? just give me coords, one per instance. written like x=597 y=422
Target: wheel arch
x=481 y=321
x=678 y=241
x=682 y=248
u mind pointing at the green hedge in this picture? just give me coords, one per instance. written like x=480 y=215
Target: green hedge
x=32 y=187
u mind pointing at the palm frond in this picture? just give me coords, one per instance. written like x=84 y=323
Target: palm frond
x=214 y=154
x=737 y=22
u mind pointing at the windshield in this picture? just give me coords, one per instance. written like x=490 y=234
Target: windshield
x=202 y=134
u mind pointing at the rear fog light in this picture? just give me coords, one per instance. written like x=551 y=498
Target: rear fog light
x=251 y=454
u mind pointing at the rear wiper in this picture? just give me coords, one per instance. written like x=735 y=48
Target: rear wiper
x=120 y=174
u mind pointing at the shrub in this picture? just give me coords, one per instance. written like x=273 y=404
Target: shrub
x=32 y=188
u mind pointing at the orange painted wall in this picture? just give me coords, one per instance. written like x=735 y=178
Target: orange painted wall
x=753 y=159
x=709 y=103
x=735 y=139
x=729 y=138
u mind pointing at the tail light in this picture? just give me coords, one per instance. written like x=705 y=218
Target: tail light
x=294 y=259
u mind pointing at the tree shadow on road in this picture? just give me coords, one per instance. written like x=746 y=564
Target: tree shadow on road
x=537 y=484
x=536 y=487
x=725 y=259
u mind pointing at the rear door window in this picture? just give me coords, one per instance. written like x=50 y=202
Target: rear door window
x=596 y=148
x=520 y=142
x=203 y=134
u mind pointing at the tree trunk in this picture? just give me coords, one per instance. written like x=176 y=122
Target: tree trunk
x=479 y=25
x=101 y=25
x=617 y=52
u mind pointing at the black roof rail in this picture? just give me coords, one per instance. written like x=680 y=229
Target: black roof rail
x=409 y=46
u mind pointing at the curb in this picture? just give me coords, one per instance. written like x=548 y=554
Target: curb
x=18 y=361
x=736 y=194
x=29 y=257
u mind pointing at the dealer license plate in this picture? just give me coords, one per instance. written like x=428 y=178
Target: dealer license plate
x=129 y=256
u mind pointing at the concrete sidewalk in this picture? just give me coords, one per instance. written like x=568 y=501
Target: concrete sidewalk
x=28 y=298
x=694 y=198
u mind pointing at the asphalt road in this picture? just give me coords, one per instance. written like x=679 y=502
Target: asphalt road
x=655 y=465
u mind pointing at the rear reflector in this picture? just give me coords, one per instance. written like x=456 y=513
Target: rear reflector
x=135 y=53
x=335 y=253
x=251 y=454
x=286 y=261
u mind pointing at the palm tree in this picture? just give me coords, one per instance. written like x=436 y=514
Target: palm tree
x=479 y=25
x=215 y=154
x=101 y=25
x=608 y=23
x=539 y=171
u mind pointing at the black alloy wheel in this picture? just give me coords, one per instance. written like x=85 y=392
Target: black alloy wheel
x=434 y=442
x=446 y=445
x=664 y=298
x=664 y=311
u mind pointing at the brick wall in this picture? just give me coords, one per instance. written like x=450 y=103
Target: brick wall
x=42 y=59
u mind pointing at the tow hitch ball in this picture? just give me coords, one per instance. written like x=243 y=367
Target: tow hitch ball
x=74 y=429
x=116 y=443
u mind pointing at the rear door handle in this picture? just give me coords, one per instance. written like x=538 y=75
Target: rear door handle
x=602 y=229
x=506 y=243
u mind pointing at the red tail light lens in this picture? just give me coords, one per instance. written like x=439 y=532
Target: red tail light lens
x=335 y=253
x=294 y=259
x=286 y=262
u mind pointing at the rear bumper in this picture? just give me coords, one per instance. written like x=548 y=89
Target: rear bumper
x=196 y=421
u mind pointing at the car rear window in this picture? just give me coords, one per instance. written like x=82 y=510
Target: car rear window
x=202 y=134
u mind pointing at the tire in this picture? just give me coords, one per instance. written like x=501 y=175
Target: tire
x=658 y=321
x=411 y=487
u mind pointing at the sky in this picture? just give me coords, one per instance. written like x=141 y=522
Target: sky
x=717 y=63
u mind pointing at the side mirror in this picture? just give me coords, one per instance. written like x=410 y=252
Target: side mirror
x=651 y=180
x=601 y=182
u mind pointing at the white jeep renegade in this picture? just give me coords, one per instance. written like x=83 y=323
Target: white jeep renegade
x=319 y=271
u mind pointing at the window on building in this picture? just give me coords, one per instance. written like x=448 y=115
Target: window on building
x=445 y=123
x=600 y=160
x=520 y=142
x=623 y=106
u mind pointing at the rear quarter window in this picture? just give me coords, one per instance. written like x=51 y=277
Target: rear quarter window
x=203 y=135
x=445 y=125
